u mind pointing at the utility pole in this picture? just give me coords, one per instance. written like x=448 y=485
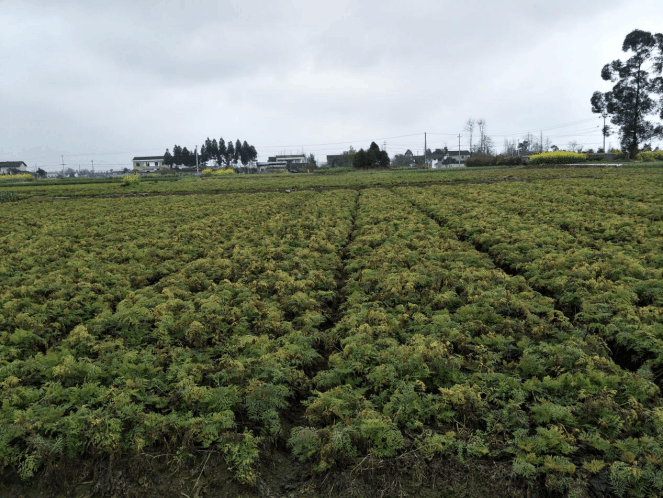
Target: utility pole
x=425 y=145
x=196 y=159
x=541 y=142
x=459 y=150
x=62 y=166
x=92 y=168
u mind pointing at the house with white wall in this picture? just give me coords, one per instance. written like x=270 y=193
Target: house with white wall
x=145 y=164
x=452 y=157
x=7 y=167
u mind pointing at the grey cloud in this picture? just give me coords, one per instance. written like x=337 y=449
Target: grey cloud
x=121 y=75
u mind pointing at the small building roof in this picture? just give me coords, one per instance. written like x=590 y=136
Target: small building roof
x=147 y=158
x=462 y=153
x=11 y=164
x=288 y=157
x=272 y=163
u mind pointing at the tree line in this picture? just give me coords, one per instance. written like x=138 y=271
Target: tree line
x=219 y=153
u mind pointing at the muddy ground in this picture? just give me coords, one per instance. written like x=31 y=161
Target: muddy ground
x=206 y=475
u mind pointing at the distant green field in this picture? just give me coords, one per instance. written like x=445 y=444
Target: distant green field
x=503 y=325
x=236 y=183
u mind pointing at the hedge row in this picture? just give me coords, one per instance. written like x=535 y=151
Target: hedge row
x=500 y=160
x=648 y=156
x=558 y=157
x=18 y=177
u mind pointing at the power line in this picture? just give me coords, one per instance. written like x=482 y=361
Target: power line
x=338 y=143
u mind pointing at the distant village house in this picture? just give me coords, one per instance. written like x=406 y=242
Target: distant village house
x=8 y=167
x=296 y=159
x=452 y=157
x=145 y=164
x=282 y=163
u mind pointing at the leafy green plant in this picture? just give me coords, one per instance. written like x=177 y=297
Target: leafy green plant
x=8 y=196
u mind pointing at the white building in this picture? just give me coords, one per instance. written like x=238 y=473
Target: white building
x=146 y=164
x=11 y=166
x=272 y=166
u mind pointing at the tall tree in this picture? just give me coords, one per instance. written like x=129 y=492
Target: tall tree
x=230 y=154
x=221 y=155
x=178 y=159
x=207 y=151
x=469 y=127
x=244 y=154
x=253 y=153
x=238 y=151
x=373 y=154
x=214 y=152
x=202 y=156
x=483 y=148
x=632 y=99
x=599 y=106
x=168 y=159
x=186 y=157
x=360 y=159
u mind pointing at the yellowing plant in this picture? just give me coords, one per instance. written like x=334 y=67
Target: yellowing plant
x=132 y=179
x=221 y=172
x=649 y=156
x=558 y=157
x=21 y=176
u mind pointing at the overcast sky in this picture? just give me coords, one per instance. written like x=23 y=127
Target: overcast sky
x=109 y=80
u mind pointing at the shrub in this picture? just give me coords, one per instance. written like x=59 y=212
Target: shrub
x=132 y=179
x=618 y=154
x=475 y=161
x=500 y=160
x=558 y=157
x=218 y=172
x=503 y=160
x=649 y=156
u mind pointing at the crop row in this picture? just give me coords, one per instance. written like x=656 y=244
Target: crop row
x=163 y=322
x=440 y=351
x=611 y=289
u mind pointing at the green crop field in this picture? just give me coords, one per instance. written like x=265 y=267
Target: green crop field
x=362 y=334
